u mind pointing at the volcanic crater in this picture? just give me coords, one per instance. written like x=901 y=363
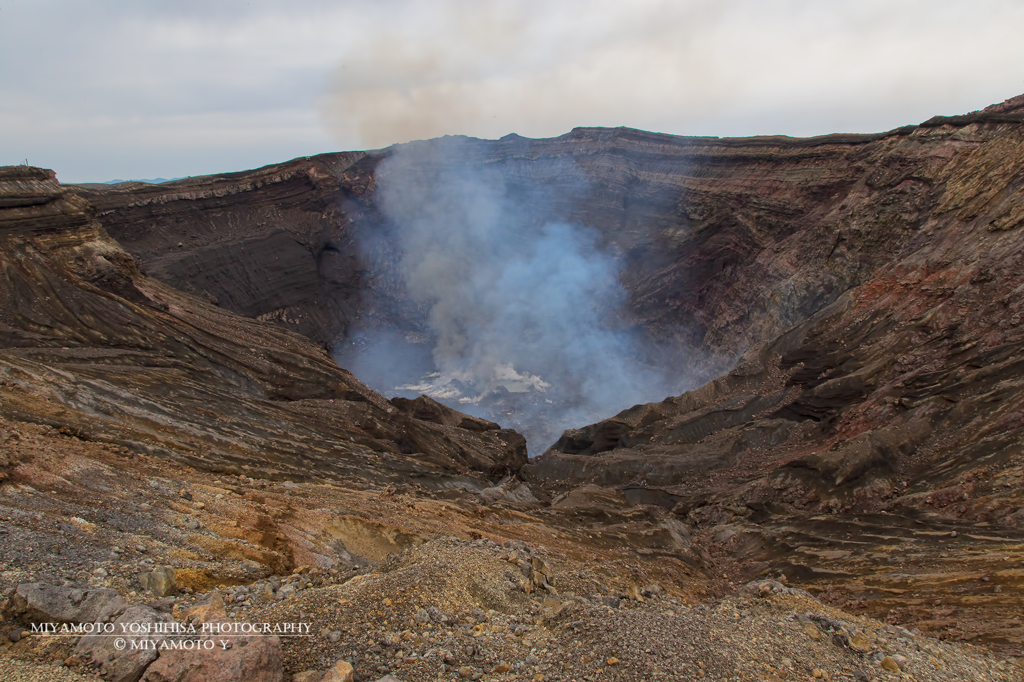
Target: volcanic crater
x=836 y=322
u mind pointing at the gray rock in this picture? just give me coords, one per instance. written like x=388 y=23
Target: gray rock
x=166 y=604
x=42 y=603
x=509 y=493
x=437 y=615
x=765 y=588
x=125 y=664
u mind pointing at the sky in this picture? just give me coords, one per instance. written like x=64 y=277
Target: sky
x=126 y=89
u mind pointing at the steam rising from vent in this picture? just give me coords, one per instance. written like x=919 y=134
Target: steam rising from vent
x=519 y=308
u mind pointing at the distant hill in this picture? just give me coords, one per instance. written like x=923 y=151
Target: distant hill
x=152 y=181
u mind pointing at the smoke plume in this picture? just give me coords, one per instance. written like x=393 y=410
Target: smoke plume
x=519 y=307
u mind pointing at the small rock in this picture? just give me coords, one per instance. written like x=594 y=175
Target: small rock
x=861 y=676
x=501 y=668
x=210 y=610
x=185 y=495
x=160 y=581
x=901 y=661
x=653 y=589
x=612 y=661
x=889 y=664
x=15 y=635
x=819 y=674
x=812 y=631
x=860 y=643
x=437 y=615
x=341 y=672
x=166 y=604
x=466 y=672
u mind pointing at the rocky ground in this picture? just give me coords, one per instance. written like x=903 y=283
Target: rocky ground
x=419 y=586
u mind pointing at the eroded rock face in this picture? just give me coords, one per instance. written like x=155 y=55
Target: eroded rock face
x=894 y=411
x=92 y=346
x=906 y=382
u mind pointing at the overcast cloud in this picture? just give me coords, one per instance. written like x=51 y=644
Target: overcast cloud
x=100 y=90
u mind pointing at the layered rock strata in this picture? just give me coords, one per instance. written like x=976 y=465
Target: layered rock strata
x=90 y=345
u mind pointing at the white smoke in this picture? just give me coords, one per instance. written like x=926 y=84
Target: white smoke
x=521 y=307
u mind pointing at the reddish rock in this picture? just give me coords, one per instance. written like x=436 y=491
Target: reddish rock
x=248 y=659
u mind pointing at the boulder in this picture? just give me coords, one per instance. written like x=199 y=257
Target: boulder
x=123 y=659
x=209 y=610
x=765 y=588
x=245 y=659
x=42 y=603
